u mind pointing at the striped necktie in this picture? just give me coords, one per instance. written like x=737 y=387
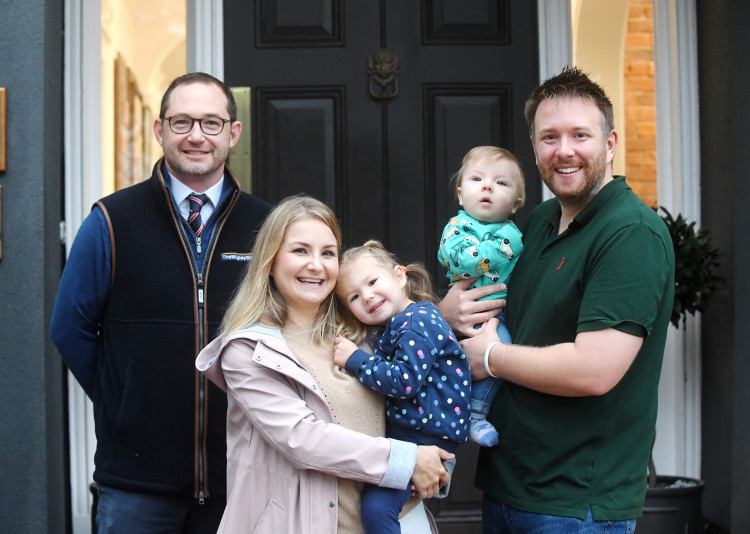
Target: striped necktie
x=194 y=216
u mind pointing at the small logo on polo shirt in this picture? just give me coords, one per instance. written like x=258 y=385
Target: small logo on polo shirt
x=561 y=263
x=236 y=256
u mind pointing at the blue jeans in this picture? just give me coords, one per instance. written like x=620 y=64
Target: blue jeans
x=483 y=391
x=126 y=512
x=381 y=508
x=498 y=518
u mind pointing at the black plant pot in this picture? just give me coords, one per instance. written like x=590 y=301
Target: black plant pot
x=671 y=509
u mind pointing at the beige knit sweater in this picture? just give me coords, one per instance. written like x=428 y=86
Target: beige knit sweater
x=353 y=405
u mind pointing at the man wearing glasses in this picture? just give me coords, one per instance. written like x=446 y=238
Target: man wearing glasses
x=142 y=292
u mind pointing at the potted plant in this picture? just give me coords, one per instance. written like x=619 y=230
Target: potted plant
x=695 y=264
x=673 y=504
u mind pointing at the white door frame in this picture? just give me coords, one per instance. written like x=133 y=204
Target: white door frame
x=678 y=446
x=83 y=164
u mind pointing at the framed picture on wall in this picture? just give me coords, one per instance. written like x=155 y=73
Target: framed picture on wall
x=132 y=128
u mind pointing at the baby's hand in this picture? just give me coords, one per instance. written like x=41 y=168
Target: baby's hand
x=342 y=349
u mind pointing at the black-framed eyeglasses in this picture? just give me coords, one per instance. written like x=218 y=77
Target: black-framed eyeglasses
x=182 y=124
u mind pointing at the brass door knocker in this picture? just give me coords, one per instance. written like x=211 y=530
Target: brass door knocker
x=382 y=66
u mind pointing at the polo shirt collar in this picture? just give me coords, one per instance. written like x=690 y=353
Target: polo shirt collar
x=607 y=193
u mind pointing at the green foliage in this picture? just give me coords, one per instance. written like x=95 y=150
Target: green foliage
x=695 y=264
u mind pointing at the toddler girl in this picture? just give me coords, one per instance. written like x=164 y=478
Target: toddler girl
x=417 y=362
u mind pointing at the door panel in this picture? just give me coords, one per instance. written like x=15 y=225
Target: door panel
x=379 y=145
x=457 y=116
x=447 y=22
x=305 y=122
x=283 y=23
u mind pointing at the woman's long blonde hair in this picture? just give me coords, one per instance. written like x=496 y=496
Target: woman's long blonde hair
x=418 y=285
x=256 y=299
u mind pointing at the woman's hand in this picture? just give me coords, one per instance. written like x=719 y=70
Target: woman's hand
x=342 y=349
x=462 y=309
x=429 y=472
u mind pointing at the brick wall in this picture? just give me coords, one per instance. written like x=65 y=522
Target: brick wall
x=640 y=107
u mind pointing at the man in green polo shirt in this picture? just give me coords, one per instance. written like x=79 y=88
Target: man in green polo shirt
x=588 y=309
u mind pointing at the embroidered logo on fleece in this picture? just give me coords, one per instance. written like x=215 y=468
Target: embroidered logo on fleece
x=236 y=256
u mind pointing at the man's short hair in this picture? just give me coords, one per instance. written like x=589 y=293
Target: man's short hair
x=199 y=77
x=572 y=82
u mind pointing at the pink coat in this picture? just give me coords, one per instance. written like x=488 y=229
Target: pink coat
x=284 y=453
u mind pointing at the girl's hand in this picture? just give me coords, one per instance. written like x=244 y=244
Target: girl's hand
x=342 y=349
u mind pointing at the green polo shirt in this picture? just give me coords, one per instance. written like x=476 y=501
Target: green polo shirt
x=612 y=268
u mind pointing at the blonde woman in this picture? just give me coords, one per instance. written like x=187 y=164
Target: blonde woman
x=302 y=436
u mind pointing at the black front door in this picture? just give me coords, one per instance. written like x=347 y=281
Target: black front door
x=370 y=107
